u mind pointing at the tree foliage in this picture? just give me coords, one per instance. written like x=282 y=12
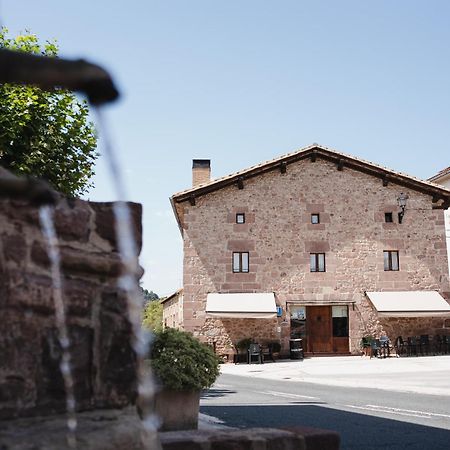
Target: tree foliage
x=45 y=134
x=153 y=316
x=149 y=296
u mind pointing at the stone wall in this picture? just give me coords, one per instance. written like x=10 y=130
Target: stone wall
x=279 y=236
x=173 y=310
x=102 y=359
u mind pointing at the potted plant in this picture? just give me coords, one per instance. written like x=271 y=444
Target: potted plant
x=183 y=366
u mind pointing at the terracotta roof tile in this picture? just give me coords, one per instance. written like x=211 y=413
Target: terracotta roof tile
x=220 y=181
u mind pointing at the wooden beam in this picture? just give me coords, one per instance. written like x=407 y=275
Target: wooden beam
x=340 y=164
x=283 y=166
x=192 y=200
x=240 y=182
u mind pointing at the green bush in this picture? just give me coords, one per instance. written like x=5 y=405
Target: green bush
x=182 y=362
x=244 y=344
x=276 y=347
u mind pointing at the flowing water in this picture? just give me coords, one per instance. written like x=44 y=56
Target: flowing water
x=129 y=282
x=48 y=229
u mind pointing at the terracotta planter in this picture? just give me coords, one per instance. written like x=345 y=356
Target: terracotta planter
x=178 y=410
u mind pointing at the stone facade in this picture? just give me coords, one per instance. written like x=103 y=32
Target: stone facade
x=443 y=178
x=279 y=236
x=173 y=310
x=102 y=359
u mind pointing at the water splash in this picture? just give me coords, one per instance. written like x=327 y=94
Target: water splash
x=48 y=229
x=129 y=282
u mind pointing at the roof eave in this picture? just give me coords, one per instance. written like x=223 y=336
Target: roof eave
x=347 y=161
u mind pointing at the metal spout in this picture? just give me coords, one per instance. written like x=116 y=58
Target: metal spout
x=51 y=72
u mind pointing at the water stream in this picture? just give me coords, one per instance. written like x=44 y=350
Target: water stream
x=129 y=282
x=48 y=229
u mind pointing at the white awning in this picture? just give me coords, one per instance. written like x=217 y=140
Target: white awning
x=409 y=304
x=243 y=306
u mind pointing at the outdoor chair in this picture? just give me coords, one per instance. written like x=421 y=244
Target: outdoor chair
x=445 y=344
x=424 y=344
x=437 y=345
x=375 y=348
x=254 y=352
x=385 y=344
x=399 y=346
x=412 y=346
x=267 y=352
x=239 y=355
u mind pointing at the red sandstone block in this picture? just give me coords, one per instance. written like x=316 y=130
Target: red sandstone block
x=317 y=246
x=240 y=277
x=315 y=207
x=241 y=245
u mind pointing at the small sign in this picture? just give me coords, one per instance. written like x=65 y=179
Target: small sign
x=279 y=311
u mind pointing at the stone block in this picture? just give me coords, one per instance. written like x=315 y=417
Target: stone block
x=72 y=220
x=105 y=222
x=14 y=248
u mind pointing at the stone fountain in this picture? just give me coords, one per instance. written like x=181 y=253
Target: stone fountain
x=103 y=334
x=103 y=362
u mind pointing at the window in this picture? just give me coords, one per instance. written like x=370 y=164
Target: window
x=240 y=262
x=340 y=321
x=317 y=262
x=388 y=217
x=240 y=218
x=315 y=218
x=391 y=260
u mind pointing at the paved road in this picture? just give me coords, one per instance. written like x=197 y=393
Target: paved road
x=367 y=419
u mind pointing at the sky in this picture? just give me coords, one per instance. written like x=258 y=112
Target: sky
x=240 y=82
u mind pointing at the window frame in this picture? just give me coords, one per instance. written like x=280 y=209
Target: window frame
x=316 y=267
x=318 y=218
x=240 y=215
x=240 y=265
x=389 y=267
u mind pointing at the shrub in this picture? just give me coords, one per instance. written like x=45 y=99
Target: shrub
x=276 y=347
x=182 y=362
x=243 y=344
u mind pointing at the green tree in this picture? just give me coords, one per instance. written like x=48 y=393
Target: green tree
x=153 y=316
x=149 y=296
x=45 y=134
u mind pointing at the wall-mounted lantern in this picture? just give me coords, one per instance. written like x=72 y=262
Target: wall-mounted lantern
x=401 y=201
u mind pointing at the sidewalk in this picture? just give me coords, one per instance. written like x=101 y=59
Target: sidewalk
x=424 y=375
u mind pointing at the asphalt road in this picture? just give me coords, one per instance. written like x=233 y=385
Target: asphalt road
x=366 y=419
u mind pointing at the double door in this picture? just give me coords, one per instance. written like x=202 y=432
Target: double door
x=324 y=329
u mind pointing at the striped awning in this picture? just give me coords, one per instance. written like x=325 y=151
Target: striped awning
x=409 y=304
x=242 y=306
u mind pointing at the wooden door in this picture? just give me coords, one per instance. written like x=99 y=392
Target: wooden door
x=319 y=329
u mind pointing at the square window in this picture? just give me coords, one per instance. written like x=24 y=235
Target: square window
x=241 y=262
x=391 y=261
x=240 y=218
x=315 y=218
x=317 y=262
x=388 y=217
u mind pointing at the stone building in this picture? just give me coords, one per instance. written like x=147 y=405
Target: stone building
x=173 y=310
x=312 y=244
x=443 y=178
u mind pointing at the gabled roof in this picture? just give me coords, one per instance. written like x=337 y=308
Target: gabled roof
x=171 y=296
x=440 y=174
x=313 y=152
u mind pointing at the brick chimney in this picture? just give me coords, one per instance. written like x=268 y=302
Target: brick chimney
x=201 y=171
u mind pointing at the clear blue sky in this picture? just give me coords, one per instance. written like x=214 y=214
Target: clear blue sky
x=240 y=82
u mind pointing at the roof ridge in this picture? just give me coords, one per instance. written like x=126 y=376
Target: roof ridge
x=299 y=152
